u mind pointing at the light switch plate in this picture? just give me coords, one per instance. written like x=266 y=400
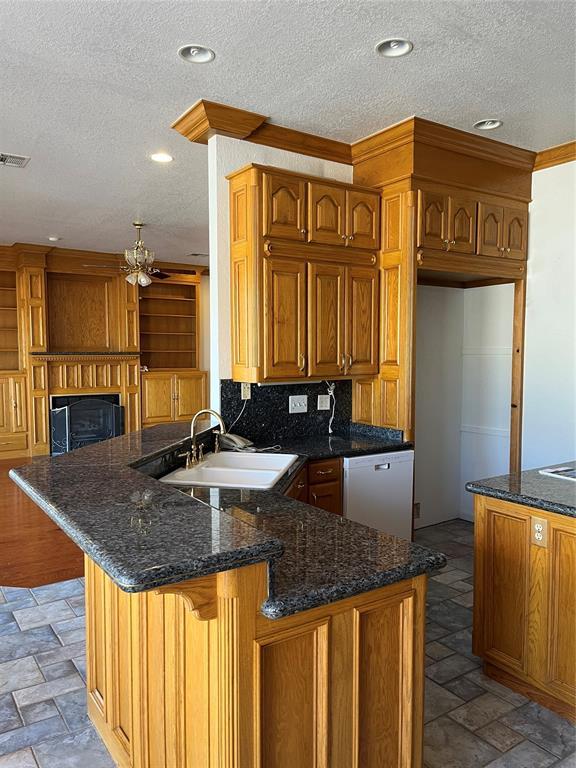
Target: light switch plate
x=298 y=404
x=323 y=402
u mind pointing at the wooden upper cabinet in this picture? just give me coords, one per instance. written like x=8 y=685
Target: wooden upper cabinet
x=363 y=219
x=362 y=320
x=284 y=206
x=515 y=233
x=432 y=219
x=490 y=229
x=326 y=319
x=326 y=214
x=461 y=224
x=284 y=318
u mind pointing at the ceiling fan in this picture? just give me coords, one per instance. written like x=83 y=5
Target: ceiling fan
x=138 y=262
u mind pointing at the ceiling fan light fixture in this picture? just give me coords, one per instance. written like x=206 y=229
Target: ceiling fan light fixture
x=139 y=260
x=132 y=278
x=143 y=279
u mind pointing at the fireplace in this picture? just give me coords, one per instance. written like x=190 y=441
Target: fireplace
x=78 y=420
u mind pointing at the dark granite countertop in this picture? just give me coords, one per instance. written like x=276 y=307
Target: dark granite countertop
x=145 y=534
x=532 y=489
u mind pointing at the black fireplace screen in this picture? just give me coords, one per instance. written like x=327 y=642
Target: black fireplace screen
x=83 y=420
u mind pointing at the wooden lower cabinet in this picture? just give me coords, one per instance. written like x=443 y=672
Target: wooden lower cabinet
x=524 y=606
x=298 y=488
x=194 y=676
x=13 y=416
x=172 y=396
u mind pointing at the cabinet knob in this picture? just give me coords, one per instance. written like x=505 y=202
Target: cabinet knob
x=420 y=257
x=344 y=237
x=507 y=250
x=351 y=237
x=452 y=242
x=349 y=361
x=300 y=486
x=14 y=404
x=303 y=231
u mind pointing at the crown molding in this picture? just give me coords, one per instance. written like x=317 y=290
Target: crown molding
x=563 y=153
x=207 y=118
x=417 y=130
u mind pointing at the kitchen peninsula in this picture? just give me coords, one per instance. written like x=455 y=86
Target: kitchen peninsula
x=525 y=582
x=236 y=627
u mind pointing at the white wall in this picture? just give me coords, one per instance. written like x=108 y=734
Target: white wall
x=205 y=323
x=439 y=328
x=550 y=347
x=224 y=156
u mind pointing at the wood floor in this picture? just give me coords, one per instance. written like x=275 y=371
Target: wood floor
x=33 y=550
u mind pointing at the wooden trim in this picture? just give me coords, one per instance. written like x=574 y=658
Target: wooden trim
x=81 y=358
x=516 y=401
x=563 y=153
x=301 y=142
x=208 y=118
x=320 y=252
x=482 y=266
x=417 y=129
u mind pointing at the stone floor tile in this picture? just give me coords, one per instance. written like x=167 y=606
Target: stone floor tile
x=466 y=599
x=61 y=654
x=525 y=755
x=9 y=717
x=49 y=690
x=16 y=593
x=80 y=664
x=500 y=736
x=19 y=673
x=568 y=762
x=461 y=642
x=41 y=710
x=437 y=651
x=437 y=592
x=9 y=628
x=28 y=735
x=435 y=631
x=454 y=549
x=6 y=617
x=2 y=598
x=481 y=711
x=438 y=701
x=61 y=589
x=40 y=615
x=78 y=604
x=24 y=601
x=493 y=686
x=450 y=615
x=449 y=668
x=71 y=631
x=451 y=576
x=60 y=669
x=78 y=750
x=72 y=706
x=21 y=759
x=543 y=727
x=449 y=745
x=464 y=688
x=28 y=643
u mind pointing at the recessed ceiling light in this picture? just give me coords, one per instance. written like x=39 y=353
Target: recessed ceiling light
x=198 y=54
x=161 y=157
x=488 y=125
x=54 y=238
x=393 y=47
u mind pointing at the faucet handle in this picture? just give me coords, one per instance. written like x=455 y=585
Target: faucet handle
x=216 y=442
x=201 y=452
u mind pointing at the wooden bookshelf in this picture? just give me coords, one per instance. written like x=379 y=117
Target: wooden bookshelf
x=168 y=325
x=9 y=352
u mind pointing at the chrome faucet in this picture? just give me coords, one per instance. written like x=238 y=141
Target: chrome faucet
x=196 y=455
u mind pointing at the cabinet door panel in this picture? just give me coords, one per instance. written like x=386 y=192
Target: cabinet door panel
x=490 y=229
x=363 y=214
x=190 y=391
x=284 y=206
x=432 y=219
x=515 y=233
x=506 y=587
x=284 y=319
x=326 y=214
x=362 y=320
x=5 y=409
x=18 y=404
x=157 y=398
x=562 y=610
x=326 y=318
x=298 y=488
x=327 y=496
x=462 y=224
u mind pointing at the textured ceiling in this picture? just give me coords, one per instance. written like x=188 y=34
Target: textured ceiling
x=89 y=88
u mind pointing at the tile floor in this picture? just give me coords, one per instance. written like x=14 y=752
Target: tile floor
x=471 y=721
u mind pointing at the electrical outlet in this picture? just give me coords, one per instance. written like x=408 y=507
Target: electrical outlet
x=245 y=392
x=323 y=402
x=298 y=404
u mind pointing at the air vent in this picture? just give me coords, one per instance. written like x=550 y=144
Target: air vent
x=16 y=161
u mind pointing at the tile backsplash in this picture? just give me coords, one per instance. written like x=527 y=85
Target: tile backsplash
x=266 y=415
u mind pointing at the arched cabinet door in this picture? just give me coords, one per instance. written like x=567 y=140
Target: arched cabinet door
x=432 y=219
x=515 y=233
x=490 y=229
x=363 y=211
x=327 y=214
x=462 y=224
x=284 y=206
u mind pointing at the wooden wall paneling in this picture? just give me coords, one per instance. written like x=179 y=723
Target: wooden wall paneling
x=365 y=400
x=38 y=404
x=326 y=319
x=517 y=387
x=131 y=395
x=130 y=316
x=560 y=671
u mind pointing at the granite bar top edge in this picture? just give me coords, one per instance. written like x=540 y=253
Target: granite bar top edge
x=480 y=489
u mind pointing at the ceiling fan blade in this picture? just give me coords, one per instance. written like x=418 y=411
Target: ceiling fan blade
x=102 y=266
x=162 y=275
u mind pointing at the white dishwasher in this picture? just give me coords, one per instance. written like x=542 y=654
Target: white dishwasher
x=378 y=491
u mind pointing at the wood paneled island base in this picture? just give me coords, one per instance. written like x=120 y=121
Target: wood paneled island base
x=193 y=675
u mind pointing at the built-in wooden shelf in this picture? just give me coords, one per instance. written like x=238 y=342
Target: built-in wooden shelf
x=9 y=349
x=168 y=317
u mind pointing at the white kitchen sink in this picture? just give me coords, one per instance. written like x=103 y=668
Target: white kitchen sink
x=234 y=470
